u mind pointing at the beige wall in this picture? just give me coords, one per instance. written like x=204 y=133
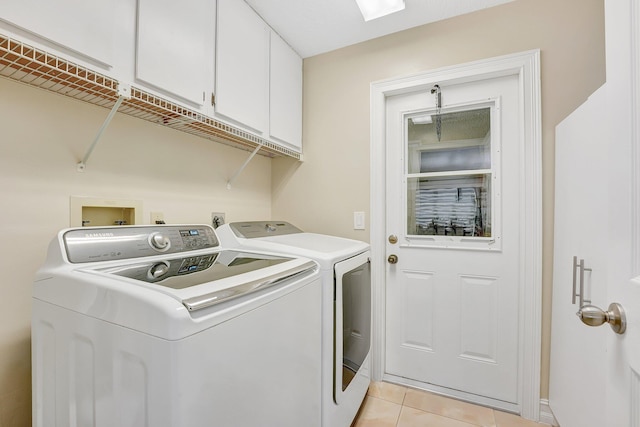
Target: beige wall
x=42 y=136
x=322 y=193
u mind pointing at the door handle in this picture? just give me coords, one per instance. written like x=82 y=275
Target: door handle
x=573 y=293
x=595 y=316
x=392 y=259
x=580 y=293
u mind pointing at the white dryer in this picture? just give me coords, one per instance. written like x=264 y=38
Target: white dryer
x=159 y=326
x=346 y=306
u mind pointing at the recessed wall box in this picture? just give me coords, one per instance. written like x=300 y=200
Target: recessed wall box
x=91 y=212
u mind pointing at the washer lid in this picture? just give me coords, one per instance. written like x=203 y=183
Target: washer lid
x=189 y=271
x=208 y=279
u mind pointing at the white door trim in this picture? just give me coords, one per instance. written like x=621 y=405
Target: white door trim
x=526 y=66
x=635 y=134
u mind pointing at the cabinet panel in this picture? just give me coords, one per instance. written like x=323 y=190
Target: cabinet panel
x=285 y=100
x=174 y=47
x=242 y=65
x=83 y=26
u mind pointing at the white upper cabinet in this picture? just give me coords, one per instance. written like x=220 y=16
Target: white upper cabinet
x=175 y=45
x=82 y=28
x=242 y=66
x=218 y=58
x=285 y=100
x=258 y=76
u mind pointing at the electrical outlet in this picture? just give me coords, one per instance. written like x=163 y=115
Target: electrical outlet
x=157 y=218
x=217 y=219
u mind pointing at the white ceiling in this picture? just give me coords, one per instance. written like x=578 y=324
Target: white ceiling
x=312 y=27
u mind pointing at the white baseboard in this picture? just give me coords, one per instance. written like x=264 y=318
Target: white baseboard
x=546 y=416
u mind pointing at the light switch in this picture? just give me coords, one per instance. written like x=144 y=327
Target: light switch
x=358 y=221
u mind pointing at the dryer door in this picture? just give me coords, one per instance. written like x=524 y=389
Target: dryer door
x=352 y=315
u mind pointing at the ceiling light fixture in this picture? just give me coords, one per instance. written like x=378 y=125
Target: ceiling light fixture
x=372 y=9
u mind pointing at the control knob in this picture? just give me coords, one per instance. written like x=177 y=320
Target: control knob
x=158 y=270
x=159 y=241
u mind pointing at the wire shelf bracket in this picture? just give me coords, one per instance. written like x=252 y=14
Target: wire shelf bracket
x=244 y=165
x=124 y=92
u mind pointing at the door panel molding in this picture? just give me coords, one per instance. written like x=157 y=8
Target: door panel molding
x=478 y=317
x=418 y=290
x=526 y=66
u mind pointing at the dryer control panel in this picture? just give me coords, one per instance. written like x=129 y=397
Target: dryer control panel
x=97 y=244
x=254 y=229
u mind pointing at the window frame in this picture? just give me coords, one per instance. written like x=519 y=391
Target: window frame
x=412 y=154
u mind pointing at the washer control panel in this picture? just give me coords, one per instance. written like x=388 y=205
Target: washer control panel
x=96 y=244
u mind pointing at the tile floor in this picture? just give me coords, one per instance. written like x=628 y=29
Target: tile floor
x=390 y=405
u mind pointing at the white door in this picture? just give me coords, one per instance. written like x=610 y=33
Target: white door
x=578 y=353
x=454 y=183
x=595 y=373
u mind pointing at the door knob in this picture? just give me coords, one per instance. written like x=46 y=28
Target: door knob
x=392 y=259
x=595 y=316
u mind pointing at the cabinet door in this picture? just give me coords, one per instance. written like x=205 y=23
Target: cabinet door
x=242 y=65
x=82 y=26
x=285 y=94
x=174 y=50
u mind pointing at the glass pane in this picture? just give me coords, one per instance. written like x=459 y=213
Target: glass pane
x=356 y=321
x=449 y=142
x=449 y=206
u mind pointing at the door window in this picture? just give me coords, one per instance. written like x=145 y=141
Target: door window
x=451 y=177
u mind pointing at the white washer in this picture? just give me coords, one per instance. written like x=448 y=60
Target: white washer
x=159 y=326
x=346 y=299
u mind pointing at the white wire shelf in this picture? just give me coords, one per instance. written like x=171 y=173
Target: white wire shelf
x=38 y=68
